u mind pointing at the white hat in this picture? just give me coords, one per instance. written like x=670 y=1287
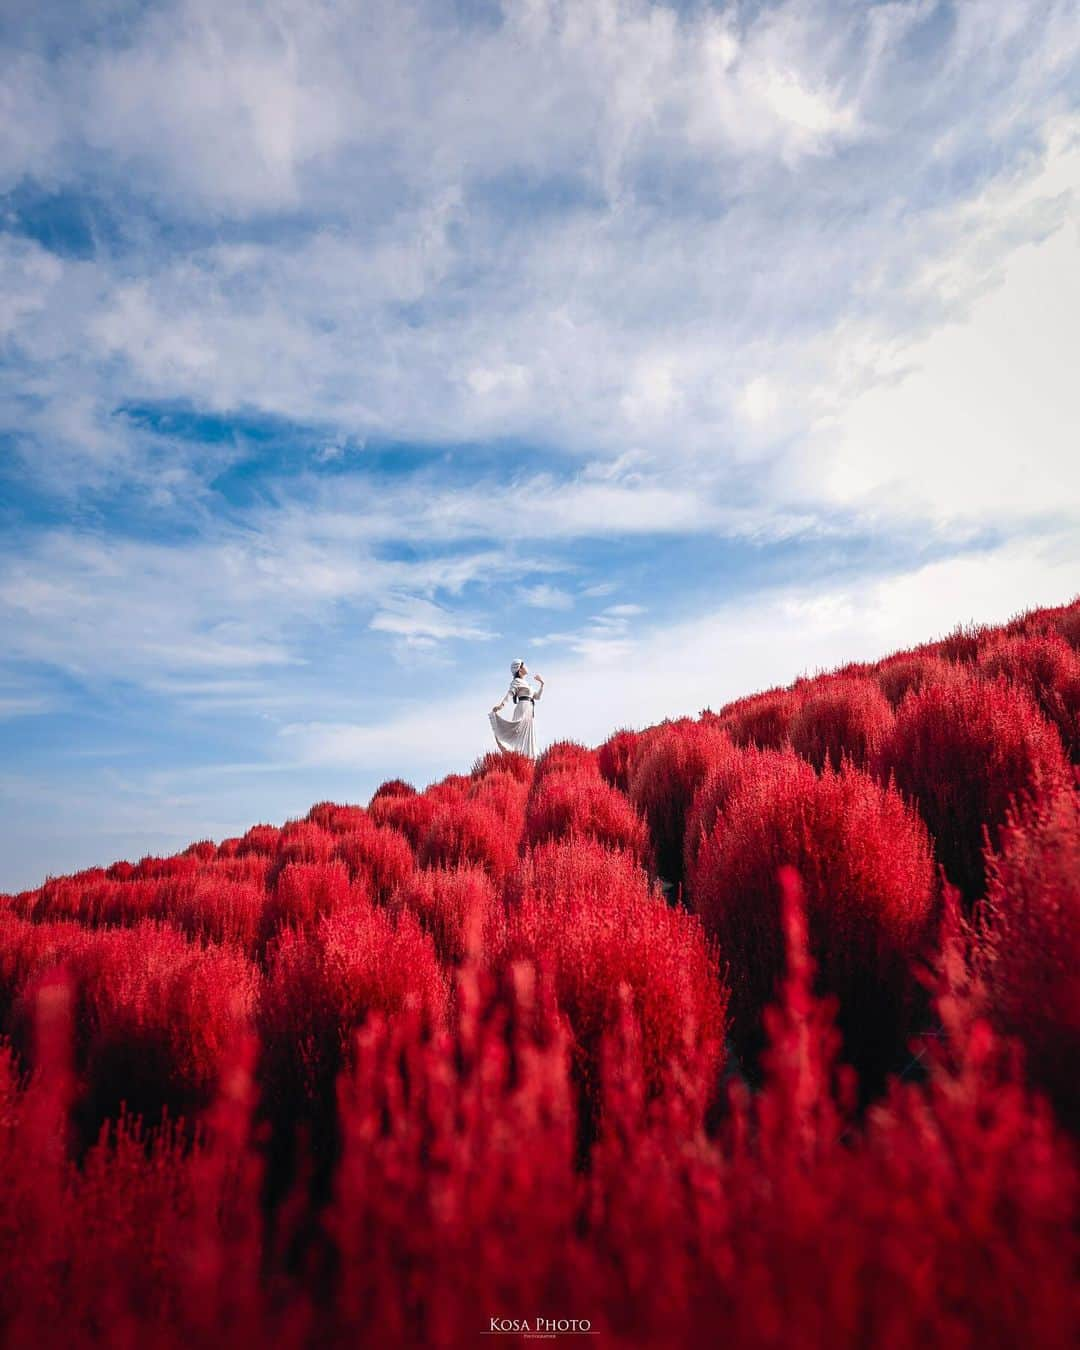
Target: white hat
x=515 y=666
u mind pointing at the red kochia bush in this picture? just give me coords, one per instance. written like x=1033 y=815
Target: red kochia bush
x=204 y=850
x=1031 y=623
x=393 y=787
x=588 y=916
x=154 y=1015
x=376 y=856
x=259 y=839
x=410 y=815
x=301 y=841
x=337 y=819
x=324 y=983
x=613 y=757
x=96 y=901
x=865 y=861
x=505 y=794
x=473 y=1189
x=219 y=908
x=321 y=985
x=459 y=907
x=467 y=832
x=453 y=788
x=565 y=755
x=962 y=644
x=1049 y=669
x=26 y=949
x=910 y=670
x=254 y=869
x=66 y=897
x=142 y=1238
x=763 y=719
x=569 y=803
x=375 y=960
x=1030 y=958
x=1067 y=623
x=840 y=718
x=665 y=772
x=963 y=750
x=156 y=869
x=303 y=892
x=717 y=789
x=504 y=761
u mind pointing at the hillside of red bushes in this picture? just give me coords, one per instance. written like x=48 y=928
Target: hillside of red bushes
x=759 y=1028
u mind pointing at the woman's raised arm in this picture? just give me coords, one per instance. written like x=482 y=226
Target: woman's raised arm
x=540 y=681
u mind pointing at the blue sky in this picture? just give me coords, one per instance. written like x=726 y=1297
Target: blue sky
x=348 y=352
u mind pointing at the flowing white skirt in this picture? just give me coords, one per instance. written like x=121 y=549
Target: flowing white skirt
x=516 y=731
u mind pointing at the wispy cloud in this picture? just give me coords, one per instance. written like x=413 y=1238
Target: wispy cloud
x=237 y=601
x=545 y=596
x=23 y=705
x=606 y=636
x=421 y=622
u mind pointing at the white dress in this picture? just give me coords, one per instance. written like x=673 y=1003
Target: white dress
x=516 y=731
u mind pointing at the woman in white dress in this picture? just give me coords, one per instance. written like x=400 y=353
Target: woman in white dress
x=516 y=733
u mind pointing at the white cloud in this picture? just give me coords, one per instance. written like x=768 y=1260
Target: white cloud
x=24 y=705
x=760 y=399
x=28 y=273
x=605 y=635
x=421 y=622
x=228 y=97
x=978 y=423
x=545 y=596
x=494 y=380
x=246 y=107
x=234 y=601
x=813 y=113
x=657 y=500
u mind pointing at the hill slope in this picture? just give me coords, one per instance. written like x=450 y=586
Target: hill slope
x=762 y=1023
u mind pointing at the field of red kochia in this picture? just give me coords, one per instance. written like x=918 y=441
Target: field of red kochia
x=760 y=1028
